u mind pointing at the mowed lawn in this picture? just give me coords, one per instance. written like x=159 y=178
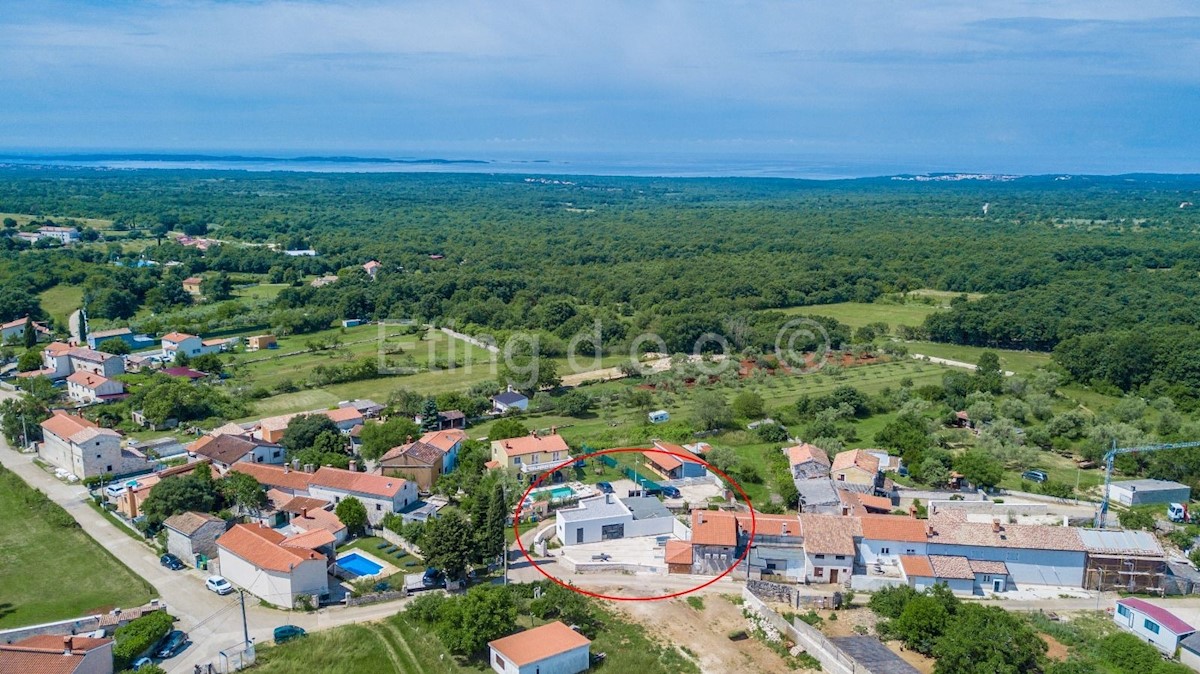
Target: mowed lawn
x=858 y=314
x=51 y=573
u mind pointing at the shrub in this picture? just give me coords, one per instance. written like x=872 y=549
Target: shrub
x=140 y=636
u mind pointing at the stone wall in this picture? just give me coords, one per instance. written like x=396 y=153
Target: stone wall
x=375 y=598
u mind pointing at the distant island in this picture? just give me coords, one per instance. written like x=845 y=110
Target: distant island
x=232 y=158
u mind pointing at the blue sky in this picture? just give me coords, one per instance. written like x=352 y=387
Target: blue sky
x=1074 y=86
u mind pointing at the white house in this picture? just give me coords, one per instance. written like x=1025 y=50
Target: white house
x=963 y=576
x=83 y=359
x=64 y=235
x=1158 y=626
x=15 y=330
x=380 y=494
x=552 y=648
x=606 y=517
x=174 y=343
x=829 y=547
x=886 y=538
x=268 y=565
x=87 y=388
x=83 y=449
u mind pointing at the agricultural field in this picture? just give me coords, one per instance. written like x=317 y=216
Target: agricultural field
x=38 y=533
x=858 y=314
x=25 y=218
x=1021 y=362
x=60 y=301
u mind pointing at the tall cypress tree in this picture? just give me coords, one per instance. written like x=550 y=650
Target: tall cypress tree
x=497 y=513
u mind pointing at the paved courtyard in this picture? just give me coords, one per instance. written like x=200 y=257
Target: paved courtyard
x=643 y=550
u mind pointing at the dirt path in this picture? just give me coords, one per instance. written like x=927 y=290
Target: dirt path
x=705 y=633
x=953 y=363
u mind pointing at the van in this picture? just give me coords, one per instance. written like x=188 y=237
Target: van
x=1035 y=476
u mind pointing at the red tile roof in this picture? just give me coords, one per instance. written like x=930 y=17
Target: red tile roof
x=1158 y=614
x=530 y=444
x=189 y=523
x=678 y=552
x=829 y=534
x=45 y=654
x=952 y=567
x=713 y=527
x=539 y=643
x=804 y=452
x=893 y=528
x=770 y=525
x=343 y=414
x=262 y=547
x=73 y=428
x=177 y=337
x=275 y=476
x=985 y=566
x=363 y=483
x=444 y=440
x=87 y=380
x=916 y=565
x=856 y=458
x=1000 y=535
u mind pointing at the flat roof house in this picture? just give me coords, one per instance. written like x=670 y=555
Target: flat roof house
x=606 y=517
x=1138 y=492
x=552 y=648
x=53 y=654
x=1158 y=626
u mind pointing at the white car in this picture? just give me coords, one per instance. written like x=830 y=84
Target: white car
x=218 y=584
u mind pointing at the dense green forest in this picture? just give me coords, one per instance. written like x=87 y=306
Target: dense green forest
x=1102 y=269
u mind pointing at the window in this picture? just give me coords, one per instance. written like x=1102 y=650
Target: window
x=819 y=572
x=820 y=556
x=910 y=551
x=987 y=579
x=108 y=469
x=1150 y=625
x=97 y=456
x=378 y=507
x=841 y=558
x=1122 y=610
x=885 y=551
x=275 y=454
x=517 y=461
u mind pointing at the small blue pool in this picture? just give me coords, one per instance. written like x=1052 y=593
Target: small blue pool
x=359 y=565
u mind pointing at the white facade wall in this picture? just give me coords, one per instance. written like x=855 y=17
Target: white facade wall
x=592 y=527
x=570 y=662
x=871 y=551
x=783 y=560
x=377 y=506
x=192 y=346
x=109 y=368
x=656 y=526
x=1135 y=621
x=1190 y=658
x=260 y=454
x=275 y=587
x=1063 y=568
x=83 y=394
x=959 y=586
x=843 y=565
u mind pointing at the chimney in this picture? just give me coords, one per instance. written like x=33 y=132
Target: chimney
x=912 y=511
x=533 y=433
x=286 y=469
x=304 y=513
x=608 y=498
x=783 y=529
x=929 y=530
x=995 y=526
x=295 y=464
x=845 y=511
x=309 y=468
x=408 y=440
x=353 y=466
x=554 y=430
x=66 y=645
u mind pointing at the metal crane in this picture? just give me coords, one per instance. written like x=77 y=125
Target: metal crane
x=1108 y=468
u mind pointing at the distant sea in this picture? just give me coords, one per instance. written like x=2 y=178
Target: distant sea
x=678 y=166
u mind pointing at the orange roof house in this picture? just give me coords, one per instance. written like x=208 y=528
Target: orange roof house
x=53 y=654
x=528 y=651
x=855 y=466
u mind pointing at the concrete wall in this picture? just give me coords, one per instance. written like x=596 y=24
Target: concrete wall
x=958 y=586
x=591 y=528
x=1190 y=659
x=657 y=526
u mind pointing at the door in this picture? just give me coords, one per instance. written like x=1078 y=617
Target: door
x=997 y=585
x=579 y=535
x=833 y=573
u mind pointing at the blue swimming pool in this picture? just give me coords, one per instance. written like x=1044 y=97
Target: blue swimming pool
x=359 y=565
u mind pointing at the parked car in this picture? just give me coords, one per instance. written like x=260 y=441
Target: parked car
x=172 y=644
x=432 y=577
x=604 y=487
x=288 y=632
x=141 y=662
x=171 y=562
x=671 y=492
x=1035 y=476
x=218 y=584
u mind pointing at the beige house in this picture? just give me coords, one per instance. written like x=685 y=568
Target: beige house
x=855 y=466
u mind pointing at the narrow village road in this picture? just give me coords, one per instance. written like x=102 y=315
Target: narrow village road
x=953 y=363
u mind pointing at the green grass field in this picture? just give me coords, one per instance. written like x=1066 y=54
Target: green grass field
x=262 y=291
x=50 y=572
x=60 y=301
x=398 y=644
x=26 y=218
x=858 y=314
x=1016 y=361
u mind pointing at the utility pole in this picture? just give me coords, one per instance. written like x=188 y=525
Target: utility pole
x=245 y=625
x=516 y=528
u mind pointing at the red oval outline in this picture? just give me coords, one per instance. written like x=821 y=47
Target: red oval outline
x=533 y=485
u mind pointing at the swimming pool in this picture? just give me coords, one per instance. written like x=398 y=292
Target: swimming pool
x=359 y=565
x=555 y=493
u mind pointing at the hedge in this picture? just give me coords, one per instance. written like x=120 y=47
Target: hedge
x=140 y=636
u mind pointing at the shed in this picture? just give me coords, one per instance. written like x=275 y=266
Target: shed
x=1140 y=492
x=1158 y=626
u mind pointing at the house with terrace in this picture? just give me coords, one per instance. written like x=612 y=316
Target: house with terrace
x=716 y=541
x=606 y=517
x=382 y=495
x=887 y=538
x=533 y=454
x=271 y=566
x=85 y=450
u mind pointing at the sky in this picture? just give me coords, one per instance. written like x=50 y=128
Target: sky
x=991 y=86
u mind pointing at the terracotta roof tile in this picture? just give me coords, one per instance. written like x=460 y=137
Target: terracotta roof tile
x=953 y=567
x=539 y=643
x=530 y=444
x=45 y=654
x=343 y=414
x=262 y=547
x=829 y=534
x=190 y=522
x=275 y=476
x=422 y=452
x=363 y=483
x=804 y=452
x=444 y=440
x=318 y=518
x=87 y=379
x=678 y=552
x=985 y=566
x=893 y=528
x=916 y=565
x=309 y=540
x=856 y=458
x=1002 y=535
x=713 y=527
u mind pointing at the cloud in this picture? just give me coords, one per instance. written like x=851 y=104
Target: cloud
x=941 y=81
